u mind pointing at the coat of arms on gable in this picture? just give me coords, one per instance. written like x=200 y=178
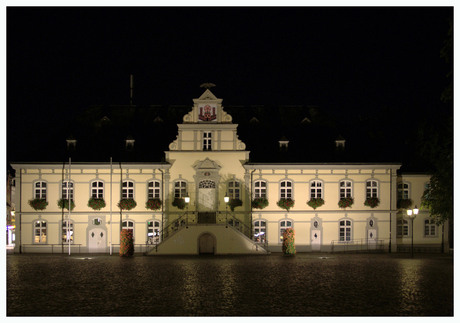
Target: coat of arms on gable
x=207 y=113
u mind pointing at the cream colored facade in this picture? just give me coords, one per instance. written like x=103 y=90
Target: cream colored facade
x=207 y=162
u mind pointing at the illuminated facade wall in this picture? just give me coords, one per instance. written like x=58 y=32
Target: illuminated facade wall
x=207 y=162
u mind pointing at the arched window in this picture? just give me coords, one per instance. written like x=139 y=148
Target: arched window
x=97 y=190
x=402 y=229
x=129 y=225
x=40 y=190
x=180 y=189
x=430 y=228
x=153 y=232
x=286 y=189
x=345 y=230
x=67 y=231
x=345 y=189
x=260 y=231
x=372 y=189
x=67 y=188
x=233 y=189
x=40 y=232
x=260 y=189
x=316 y=189
x=154 y=191
x=127 y=191
x=285 y=224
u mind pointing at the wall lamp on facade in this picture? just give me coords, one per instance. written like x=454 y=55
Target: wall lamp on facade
x=412 y=214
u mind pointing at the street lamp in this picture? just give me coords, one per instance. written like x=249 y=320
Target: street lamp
x=226 y=200
x=187 y=201
x=412 y=214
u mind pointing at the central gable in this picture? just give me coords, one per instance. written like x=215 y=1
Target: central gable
x=207 y=109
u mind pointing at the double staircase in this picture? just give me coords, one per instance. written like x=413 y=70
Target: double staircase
x=215 y=233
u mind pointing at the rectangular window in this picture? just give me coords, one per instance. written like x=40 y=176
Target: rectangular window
x=207 y=140
x=67 y=231
x=154 y=190
x=67 y=187
x=345 y=230
x=234 y=190
x=403 y=191
x=345 y=189
x=283 y=226
x=402 y=228
x=260 y=189
x=180 y=189
x=286 y=189
x=128 y=190
x=430 y=228
x=371 y=189
x=97 y=190
x=316 y=189
x=40 y=232
x=40 y=190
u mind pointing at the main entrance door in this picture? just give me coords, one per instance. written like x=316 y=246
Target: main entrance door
x=206 y=244
x=207 y=196
x=97 y=240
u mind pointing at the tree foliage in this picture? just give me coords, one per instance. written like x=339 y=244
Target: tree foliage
x=436 y=143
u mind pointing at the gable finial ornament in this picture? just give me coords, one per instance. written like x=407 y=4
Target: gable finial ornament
x=207 y=85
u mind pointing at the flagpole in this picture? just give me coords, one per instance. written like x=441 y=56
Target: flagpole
x=110 y=228
x=68 y=193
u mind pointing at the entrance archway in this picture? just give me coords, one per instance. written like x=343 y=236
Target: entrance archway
x=206 y=244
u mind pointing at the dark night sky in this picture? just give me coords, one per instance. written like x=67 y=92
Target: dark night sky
x=62 y=60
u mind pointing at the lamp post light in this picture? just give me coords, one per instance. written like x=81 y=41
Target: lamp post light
x=187 y=201
x=226 y=200
x=412 y=214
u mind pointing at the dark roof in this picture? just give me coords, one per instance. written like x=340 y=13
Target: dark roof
x=101 y=133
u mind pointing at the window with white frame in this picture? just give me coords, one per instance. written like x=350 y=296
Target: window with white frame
x=260 y=230
x=430 y=228
x=129 y=225
x=40 y=190
x=40 y=232
x=67 y=188
x=260 y=189
x=97 y=190
x=67 y=231
x=154 y=190
x=285 y=224
x=372 y=189
x=316 y=189
x=180 y=189
x=402 y=229
x=403 y=191
x=127 y=191
x=345 y=230
x=207 y=140
x=286 y=189
x=233 y=189
x=345 y=189
x=153 y=232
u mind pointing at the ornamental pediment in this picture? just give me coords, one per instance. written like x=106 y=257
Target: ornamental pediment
x=206 y=164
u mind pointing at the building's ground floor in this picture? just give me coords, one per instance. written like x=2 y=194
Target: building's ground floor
x=314 y=231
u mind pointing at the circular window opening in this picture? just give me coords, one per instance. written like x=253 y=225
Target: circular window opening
x=97 y=221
